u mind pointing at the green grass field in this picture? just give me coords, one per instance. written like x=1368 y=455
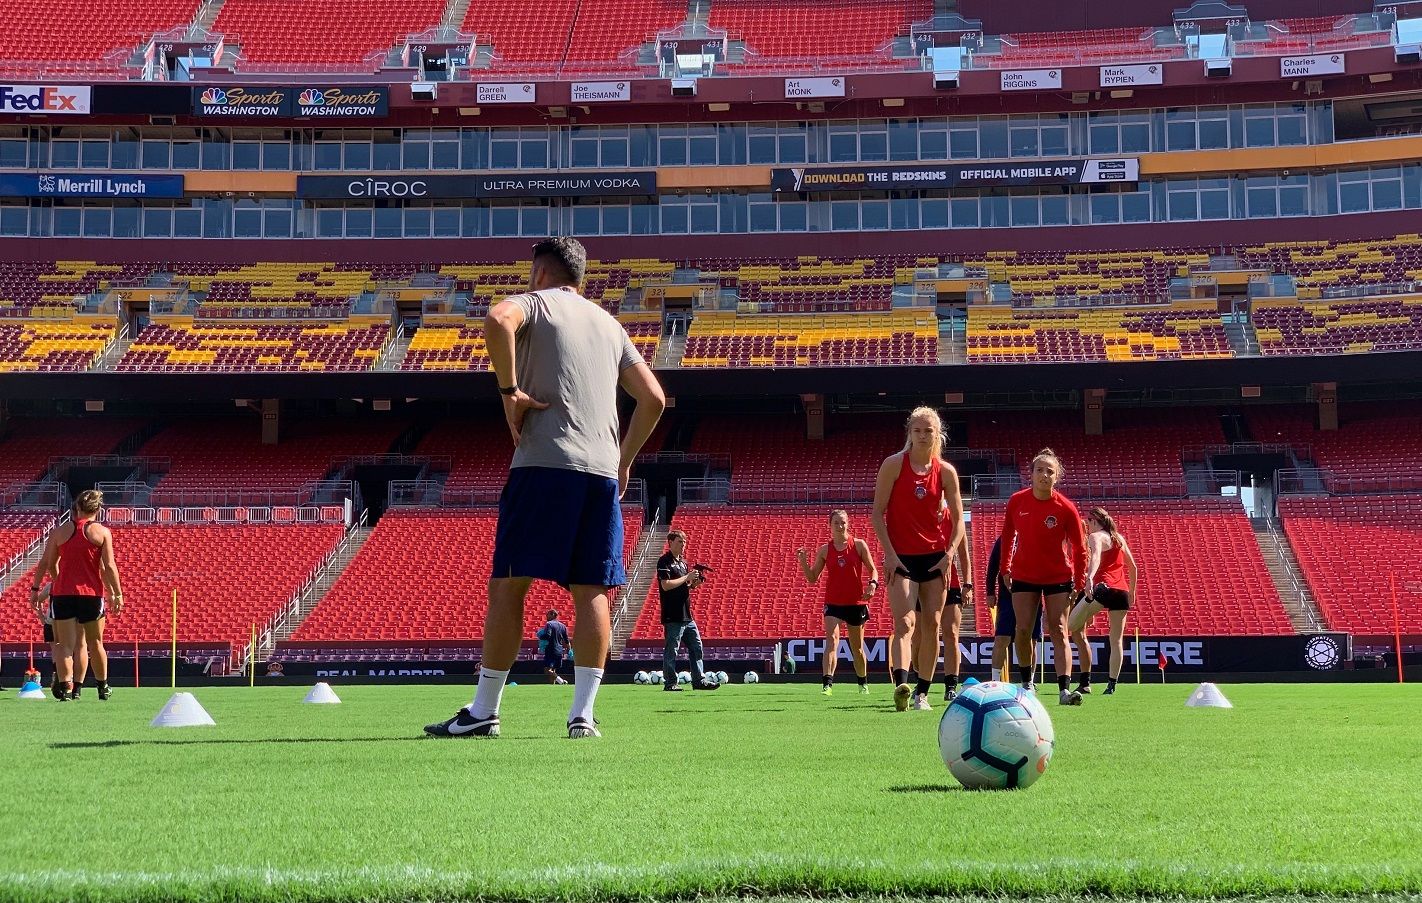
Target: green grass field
x=771 y=790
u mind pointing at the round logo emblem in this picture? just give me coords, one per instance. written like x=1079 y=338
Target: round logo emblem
x=920 y=491
x=841 y=561
x=1322 y=653
x=1051 y=522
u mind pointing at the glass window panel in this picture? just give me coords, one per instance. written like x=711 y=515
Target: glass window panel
x=1135 y=207
x=965 y=213
x=358 y=221
x=963 y=144
x=503 y=155
x=327 y=156
x=277 y=223
x=1135 y=138
x=874 y=215
x=1387 y=194
x=903 y=139
x=329 y=222
x=674 y=217
x=444 y=155
x=534 y=153
x=1104 y=139
x=187 y=154
x=644 y=219
x=873 y=147
x=934 y=213
x=1055 y=142
x=616 y=221
x=1056 y=210
x=157 y=222
x=1293 y=130
x=417 y=222
x=187 y=222
x=1214 y=134
x=388 y=222
x=247 y=221
x=1184 y=205
x=1259 y=131
x=993 y=140
x=586 y=220
x=98 y=222
x=446 y=222
x=584 y=153
x=474 y=220
x=94 y=154
x=762 y=218
x=614 y=151
x=504 y=221
x=14 y=221
x=794 y=148
x=1293 y=201
x=535 y=221
x=903 y=213
x=1263 y=202
x=64 y=154
x=1025 y=211
x=794 y=216
x=357 y=155
x=1105 y=208
x=1214 y=205
x=417 y=154
x=933 y=145
x=672 y=151
x=844 y=216
x=701 y=150
x=246 y=154
x=996 y=211
x=385 y=152
x=1024 y=142
x=276 y=155
x=843 y=148
x=66 y=221
x=703 y=218
x=13 y=152
x=1180 y=136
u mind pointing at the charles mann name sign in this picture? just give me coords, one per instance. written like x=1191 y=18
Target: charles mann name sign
x=954 y=175
x=544 y=185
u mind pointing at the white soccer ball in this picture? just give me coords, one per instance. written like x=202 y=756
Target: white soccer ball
x=722 y=677
x=654 y=677
x=751 y=677
x=683 y=677
x=641 y=677
x=996 y=736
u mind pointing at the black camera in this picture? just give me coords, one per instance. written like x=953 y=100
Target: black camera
x=702 y=570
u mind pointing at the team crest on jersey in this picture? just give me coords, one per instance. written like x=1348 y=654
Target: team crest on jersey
x=842 y=561
x=1051 y=522
x=920 y=491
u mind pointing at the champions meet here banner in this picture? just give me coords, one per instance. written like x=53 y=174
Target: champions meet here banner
x=956 y=175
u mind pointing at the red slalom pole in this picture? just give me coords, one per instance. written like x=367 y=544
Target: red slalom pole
x=1396 y=627
x=135 y=660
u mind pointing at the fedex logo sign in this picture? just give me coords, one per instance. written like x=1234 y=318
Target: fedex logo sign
x=70 y=99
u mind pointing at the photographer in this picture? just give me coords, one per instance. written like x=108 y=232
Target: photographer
x=675 y=581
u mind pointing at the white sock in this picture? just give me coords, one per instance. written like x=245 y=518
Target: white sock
x=585 y=684
x=491 y=690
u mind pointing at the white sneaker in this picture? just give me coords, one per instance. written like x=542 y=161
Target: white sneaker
x=920 y=703
x=558 y=681
x=1069 y=697
x=579 y=728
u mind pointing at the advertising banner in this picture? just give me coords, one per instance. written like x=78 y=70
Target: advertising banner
x=797 y=88
x=506 y=92
x=261 y=101
x=89 y=185
x=513 y=184
x=1031 y=79
x=1306 y=66
x=1130 y=76
x=955 y=175
x=601 y=92
x=343 y=101
x=71 y=100
x=1182 y=655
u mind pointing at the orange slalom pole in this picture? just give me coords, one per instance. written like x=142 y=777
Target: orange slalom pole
x=1396 y=627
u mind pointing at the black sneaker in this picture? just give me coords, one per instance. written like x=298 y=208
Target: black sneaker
x=75 y=693
x=1084 y=689
x=60 y=691
x=671 y=688
x=1109 y=691
x=463 y=724
x=104 y=692
x=949 y=694
x=579 y=728
x=706 y=685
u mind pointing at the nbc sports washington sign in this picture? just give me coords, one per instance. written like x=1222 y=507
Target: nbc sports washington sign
x=275 y=101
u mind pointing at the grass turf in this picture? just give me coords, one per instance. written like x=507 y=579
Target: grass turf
x=1306 y=790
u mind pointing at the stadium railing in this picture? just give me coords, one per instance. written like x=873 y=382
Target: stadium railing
x=1321 y=481
x=691 y=491
x=1192 y=483
x=44 y=496
x=9 y=573
x=278 y=514
x=434 y=494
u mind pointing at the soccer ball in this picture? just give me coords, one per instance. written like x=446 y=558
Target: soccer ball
x=751 y=677
x=711 y=678
x=722 y=677
x=641 y=677
x=996 y=736
x=654 y=677
x=683 y=677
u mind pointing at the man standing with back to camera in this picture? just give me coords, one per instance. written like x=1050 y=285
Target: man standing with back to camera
x=559 y=359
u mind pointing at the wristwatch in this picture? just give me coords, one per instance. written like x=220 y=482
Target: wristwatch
x=511 y=390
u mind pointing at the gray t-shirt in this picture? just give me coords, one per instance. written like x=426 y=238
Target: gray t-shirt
x=570 y=353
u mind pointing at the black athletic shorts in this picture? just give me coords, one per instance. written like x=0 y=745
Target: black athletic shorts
x=49 y=633
x=1043 y=589
x=1113 y=599
x=853 y=615
x=921 y=568
x=77 y=608
x=955 y=595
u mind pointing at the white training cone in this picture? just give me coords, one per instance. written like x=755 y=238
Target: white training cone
x=1207 y=695
x=183 y=710
x=31 y=693
x=322 y=693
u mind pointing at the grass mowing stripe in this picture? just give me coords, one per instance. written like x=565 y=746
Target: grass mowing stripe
x=752 y=790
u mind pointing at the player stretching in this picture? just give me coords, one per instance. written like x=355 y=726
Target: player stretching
x=1111 y=571
x=909 y=495
x=559 y=359
x=846 y=595
x=1042 y=523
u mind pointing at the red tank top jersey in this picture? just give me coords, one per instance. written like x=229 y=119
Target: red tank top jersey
x=913 y=513
x=844 y=582
x=1042 y=531
x=1111 y=569
x=79 y=565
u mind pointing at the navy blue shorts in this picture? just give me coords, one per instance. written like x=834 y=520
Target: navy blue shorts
x=1007 y=619
x=564 y=526
x=554 y=662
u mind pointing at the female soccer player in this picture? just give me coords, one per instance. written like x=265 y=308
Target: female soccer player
x=958 y=593
x=1111 y=571
x=909 y=495
x=79 y=558
x=1040 y=523
x=846 y=595
x=81 y=651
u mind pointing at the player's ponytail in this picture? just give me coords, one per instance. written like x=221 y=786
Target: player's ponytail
x=1105 y=520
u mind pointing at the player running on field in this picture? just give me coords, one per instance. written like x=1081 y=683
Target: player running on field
x=910 y=494
x=1111 y=572
x=1038 y=528
x=845 y=558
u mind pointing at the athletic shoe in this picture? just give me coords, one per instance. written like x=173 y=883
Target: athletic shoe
x=1084 y=689
x=1029 y=687
x=60 y=691
x=949 y=694
x=920 y=703
x=1069 y=697
x=901 y=697
x=706 y=685
x=104 y=692
x=464 y=724
x=826 y=691
x=74 y=694
x=671 y=688
x=579 y=728
x=863 y=690
x=1109 y=691
x=558 y=681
